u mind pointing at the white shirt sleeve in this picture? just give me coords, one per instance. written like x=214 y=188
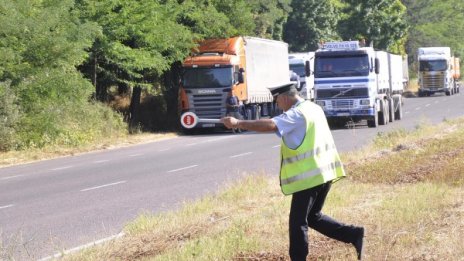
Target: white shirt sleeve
x=291 y=126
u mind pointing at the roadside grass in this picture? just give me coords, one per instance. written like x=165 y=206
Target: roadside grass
x=407 y=193
x=48 y=152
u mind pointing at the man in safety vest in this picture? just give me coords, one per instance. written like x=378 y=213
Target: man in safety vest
x=309 y=165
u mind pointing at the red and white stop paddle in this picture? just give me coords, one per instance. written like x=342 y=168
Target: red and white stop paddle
x=189 y=120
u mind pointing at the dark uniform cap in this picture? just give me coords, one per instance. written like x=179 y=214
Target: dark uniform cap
x=282 y=88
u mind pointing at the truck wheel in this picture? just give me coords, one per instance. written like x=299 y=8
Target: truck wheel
x=448 y=93
x=248 y=114
x=257 y=111
x=373 y=122
x=383 y=115
x=399 y=109
x=391 y=109
x=420 y=93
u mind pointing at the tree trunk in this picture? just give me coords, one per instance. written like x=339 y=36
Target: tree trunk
x=135 y=109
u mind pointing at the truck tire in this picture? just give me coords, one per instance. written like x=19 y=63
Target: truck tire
x=448 y=93
x=383 y=115
x=420 y=93
x=399 y=109
x=391 y=109
x=373 y=122
x=248 y=114
x=257 y=112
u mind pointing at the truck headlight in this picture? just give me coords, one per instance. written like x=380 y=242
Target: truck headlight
x=364 y=102
x=320 y=103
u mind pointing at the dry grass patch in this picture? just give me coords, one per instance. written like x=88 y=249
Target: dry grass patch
x=409 y=197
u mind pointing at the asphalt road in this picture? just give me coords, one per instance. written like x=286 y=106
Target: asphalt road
x=58 y=204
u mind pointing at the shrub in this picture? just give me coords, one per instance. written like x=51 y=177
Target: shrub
x=9 y=117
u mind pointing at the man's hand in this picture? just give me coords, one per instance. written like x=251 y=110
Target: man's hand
x=230 y=122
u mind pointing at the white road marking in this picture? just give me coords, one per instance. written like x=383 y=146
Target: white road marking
x=189 y=167
x=135 y=155
x=427 y=105
x=191 y=144
x=11 y=177
x=436 y=101
x=100 y=161
x=240 y=155
x=407 y=112
x=78 y=248
x=7 y=206
x=418 y=108
x=163 y=150
x=62 y=168
x=106 y=185
x=276 y=146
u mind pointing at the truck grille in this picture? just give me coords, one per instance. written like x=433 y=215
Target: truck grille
x=341 y=93
x=433 y=81
x=209 y=106
x=342 y=104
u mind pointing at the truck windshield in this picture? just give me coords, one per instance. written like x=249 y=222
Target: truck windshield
x=433 y=65
x=341 y=66
x=298 y=68
x=207 y=77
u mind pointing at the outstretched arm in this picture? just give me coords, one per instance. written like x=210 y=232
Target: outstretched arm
x=263 y=125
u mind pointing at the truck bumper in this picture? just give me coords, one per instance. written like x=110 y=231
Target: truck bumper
x=355 y=114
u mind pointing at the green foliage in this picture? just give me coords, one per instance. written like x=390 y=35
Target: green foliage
x=435 y=23
x=41 y=43
x=382 y=22
x=309 y=23
x=269 y=17
x=9 y=117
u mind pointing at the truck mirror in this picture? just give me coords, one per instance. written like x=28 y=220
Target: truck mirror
x=307 y=69
x=241 y=78
x=377 y=66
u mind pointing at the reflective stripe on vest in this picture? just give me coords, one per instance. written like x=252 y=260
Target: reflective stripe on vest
x=308 y=154
x=315 y=161
x=312 y=173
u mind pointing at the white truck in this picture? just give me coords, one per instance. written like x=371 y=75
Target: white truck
x=300 y=63
x=438 y=71
x=244 y=67
x=354 y=83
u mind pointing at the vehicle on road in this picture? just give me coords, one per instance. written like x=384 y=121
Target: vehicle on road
x=355 y=83
x=439 y=71
x=301 y=63
x=244 y=67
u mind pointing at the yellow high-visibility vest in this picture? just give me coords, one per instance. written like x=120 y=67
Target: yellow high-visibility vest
x=316 y=160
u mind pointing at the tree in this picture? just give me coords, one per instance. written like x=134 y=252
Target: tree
x=269 y=17
x=139 y=41
x=309 y=23
x=381 y=22
x=435 y=23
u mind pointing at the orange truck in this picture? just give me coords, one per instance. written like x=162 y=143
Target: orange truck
x=239 y=67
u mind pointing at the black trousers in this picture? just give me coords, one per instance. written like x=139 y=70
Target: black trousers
x=306 y=211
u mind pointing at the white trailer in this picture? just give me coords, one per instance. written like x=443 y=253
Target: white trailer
x=266 y=66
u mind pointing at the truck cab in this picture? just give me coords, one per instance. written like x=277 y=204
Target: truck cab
x=354 y=83
x=436 y=71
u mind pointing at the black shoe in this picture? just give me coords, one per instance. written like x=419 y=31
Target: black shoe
x=358 y=244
